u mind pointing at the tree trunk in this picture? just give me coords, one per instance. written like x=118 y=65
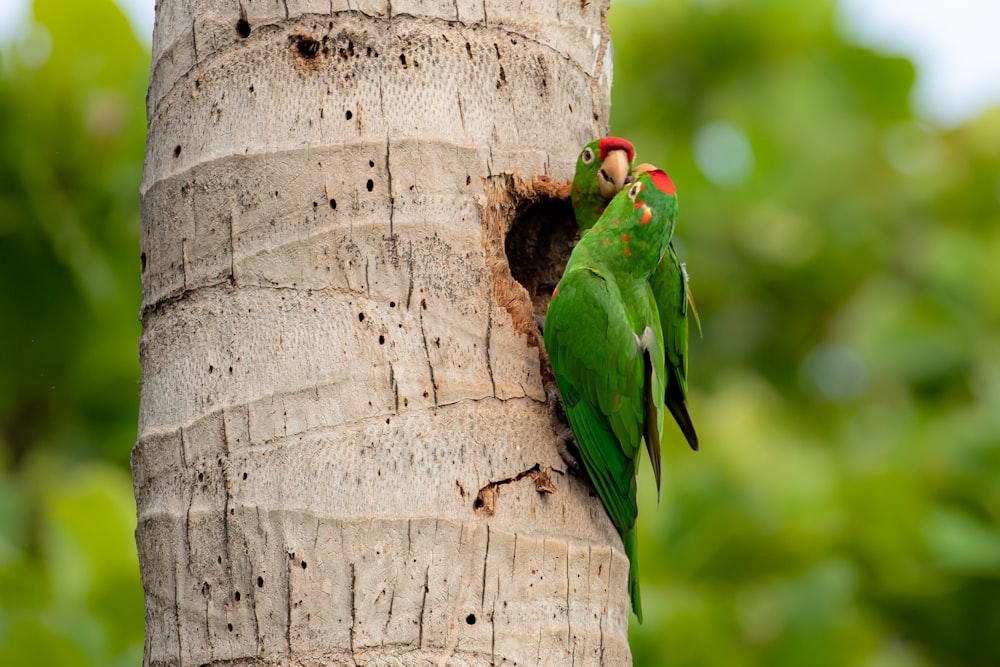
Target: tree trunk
x=344 y=451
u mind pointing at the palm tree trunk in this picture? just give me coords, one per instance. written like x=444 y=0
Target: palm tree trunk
x=344 y=451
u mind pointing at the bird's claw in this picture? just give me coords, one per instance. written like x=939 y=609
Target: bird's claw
x=565 y=440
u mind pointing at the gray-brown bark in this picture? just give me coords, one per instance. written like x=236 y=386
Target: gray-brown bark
x=344 y=453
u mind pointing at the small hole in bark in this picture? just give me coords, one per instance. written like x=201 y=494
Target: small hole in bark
x=371 y=163
x=306 y=46
x=471 y=619
x=392 y=304
x=251 y=88
x=243 y=30
x=477 y=504
x=304 y=565
x=229 y=626
x=201 y=477
x=370 y=185
x=142 y=262
x=177 y=150
x=333 y=204
x=361 y=317
x=381 y=340
x=211 y=369
x=348 y=114
x=244 y=475
x=237 y=596
x=402 y=59
x=260 y=582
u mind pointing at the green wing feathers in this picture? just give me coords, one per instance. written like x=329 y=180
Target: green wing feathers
x=616 y=334
x=612 y=472
x=672 y=297
x=612 y=382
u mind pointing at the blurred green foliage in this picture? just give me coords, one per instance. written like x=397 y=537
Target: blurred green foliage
x=72 y=127
x=844 y=258
x=844 y=508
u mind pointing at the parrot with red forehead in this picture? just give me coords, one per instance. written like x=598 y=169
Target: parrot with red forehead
x=603 y=168
x=605 y=342
x=674 y=301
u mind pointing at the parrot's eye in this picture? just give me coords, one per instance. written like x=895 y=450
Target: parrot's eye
x=634 y=190
x=588 y=156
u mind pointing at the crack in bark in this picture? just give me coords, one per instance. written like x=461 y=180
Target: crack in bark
x=493 y=619
x=423 y=605
x=600 y=628
x=486 y=560
x=427 y=354
x=409 y=289
x=354 y=615
x=388 y=175
x=253 y=594
x=288 y=608
x=232 y=250
x=156 y=307
x=486 y=499
x=385 y=628
x=489 y=330
x=395 y=388
x=177 y=615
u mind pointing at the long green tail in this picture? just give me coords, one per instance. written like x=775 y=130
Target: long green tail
x=632 y=551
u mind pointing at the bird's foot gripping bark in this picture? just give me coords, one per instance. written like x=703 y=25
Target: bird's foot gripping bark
x=565 y=440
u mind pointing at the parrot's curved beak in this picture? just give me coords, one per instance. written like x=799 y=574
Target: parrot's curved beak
x=613 y=173
x=643 y=168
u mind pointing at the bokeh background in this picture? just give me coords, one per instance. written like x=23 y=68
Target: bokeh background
x=844 y=246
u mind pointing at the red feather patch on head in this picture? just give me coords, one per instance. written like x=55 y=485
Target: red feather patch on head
x=608 y=144
x=662 y=182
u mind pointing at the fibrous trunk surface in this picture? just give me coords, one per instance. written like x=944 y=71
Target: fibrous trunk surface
x=338 y=366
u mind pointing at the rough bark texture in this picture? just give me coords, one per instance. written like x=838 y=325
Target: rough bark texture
x=344 y=451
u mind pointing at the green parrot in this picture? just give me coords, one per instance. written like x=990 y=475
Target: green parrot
x=602 y=169
x=673 y=301
x=605 y=343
